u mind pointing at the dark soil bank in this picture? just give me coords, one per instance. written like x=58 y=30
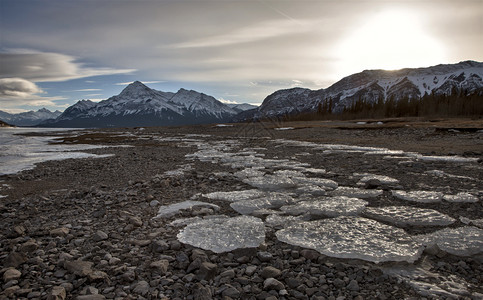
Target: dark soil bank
x=84 y=228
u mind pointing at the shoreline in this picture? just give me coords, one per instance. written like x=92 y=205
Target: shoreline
x=101 y=211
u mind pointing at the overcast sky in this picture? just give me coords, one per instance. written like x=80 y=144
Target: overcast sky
x=55 y=52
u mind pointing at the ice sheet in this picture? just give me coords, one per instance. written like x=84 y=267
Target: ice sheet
x=278 y=220
x=235 y=195
x=223 y=235
x=354 y=238
x=461 y=197
x=461 y=241
x=270 y=201
x=355 y=192
x=406 y=215
x=270 y=182
x=382 y=179
x=167 y=211
x=312 y=190
x=326 y=184
x=327 y=207
x=419 y=196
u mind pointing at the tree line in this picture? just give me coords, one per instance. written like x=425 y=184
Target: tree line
x=457 y=104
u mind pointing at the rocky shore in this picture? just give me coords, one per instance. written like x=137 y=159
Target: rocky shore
x=89 y=228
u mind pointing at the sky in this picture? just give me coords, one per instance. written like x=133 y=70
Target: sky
x=56 y=52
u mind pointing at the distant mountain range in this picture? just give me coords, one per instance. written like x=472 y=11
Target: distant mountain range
x=139 y=105
x=29 y=118
x=372 y=85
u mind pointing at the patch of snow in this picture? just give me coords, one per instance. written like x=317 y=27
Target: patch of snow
x=223 y=125
x=224 y=234
x=405 y=215
x=353 y=238
x=434 y=158
x=462 y=241
x=284 y=128
x=461 y=197
x=167 y=211
x=419 y=196
x=327 y=207
x=440 y=173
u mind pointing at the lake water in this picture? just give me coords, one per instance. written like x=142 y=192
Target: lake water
x=19 y=152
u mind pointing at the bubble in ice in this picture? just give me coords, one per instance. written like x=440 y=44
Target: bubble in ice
x=355 y=192
x=224 y=234
x=327 y=207
x=405 y=215
x=419 y=196
x=235 y=195
x=461 y=241
x=167 y=211
x=354 y=238
x=461 y=197
x=270 y=201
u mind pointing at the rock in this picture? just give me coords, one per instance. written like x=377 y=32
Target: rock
x=29 y=246
x=15 y=259
x=201 y=292
x=293 y=282
x=250 y=270
x=90 y=297
x=57 y=293
x=159 y=246
x=174 y=245
x=154 y=203
x=228 y=273
x=135 y=221
x=142 y=288
x=372 y=184
x=100 y=236
x=269 y=271
x=78 y=267
x=231 y=292
x=273 y=284
x=11 y=274
x=19 y=230
x=338 y=283
x=160 y=266
x=198 y=253
x=97 y=276
x=353 y=286
x=207 y=271
x=264 y=256
x=310 y=254
x=62 y=232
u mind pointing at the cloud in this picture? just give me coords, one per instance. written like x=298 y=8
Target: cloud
x=87 y=90
x=260 y=31
x=18 y=87
x=19 y=91
x=38 y=66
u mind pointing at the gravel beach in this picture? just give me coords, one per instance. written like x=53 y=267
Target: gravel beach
x=89 y=228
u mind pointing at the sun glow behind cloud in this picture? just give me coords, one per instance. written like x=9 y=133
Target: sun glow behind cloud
x=390 y=40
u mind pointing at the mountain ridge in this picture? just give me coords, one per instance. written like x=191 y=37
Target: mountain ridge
x=139 y=105
x=29 y=118
x=372 y=85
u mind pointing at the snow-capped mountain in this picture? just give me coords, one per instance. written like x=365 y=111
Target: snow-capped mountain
x=29 y=118
x=241 y=107
x=372 y=85
x=139 y=105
